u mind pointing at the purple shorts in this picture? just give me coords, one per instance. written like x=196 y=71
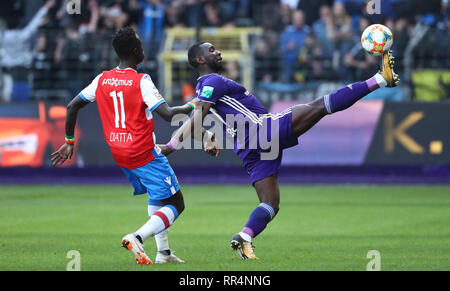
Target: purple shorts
x=259 y=168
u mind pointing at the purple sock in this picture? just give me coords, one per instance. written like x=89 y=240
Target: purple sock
x=347 y=96
x=259 y=219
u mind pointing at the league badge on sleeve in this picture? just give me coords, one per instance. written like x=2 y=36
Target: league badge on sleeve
x=207 y=92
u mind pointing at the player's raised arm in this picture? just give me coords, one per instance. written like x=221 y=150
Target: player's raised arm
x=167 y=112
x=65 y=152
x=194 y=127
x=156 y=102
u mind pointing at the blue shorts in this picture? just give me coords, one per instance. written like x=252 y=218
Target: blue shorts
x=258 y=168
x=155 y=178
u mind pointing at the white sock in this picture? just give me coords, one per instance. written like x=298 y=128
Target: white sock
x=152 y=209
x=159 y=221
x=380 y=80
x=162 y=238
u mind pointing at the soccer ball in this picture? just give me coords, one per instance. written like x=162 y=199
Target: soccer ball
x=377 y=39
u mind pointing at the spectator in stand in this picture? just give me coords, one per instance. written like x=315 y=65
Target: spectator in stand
x=291 y=42
x=16 y=48
x=355 y=7
x=273 y=15
x=321 y=32
x=114 y=14
x=228 y=10
x=312 y=63
x=339 y=30
x=270 y=16
x=78 y=57
x=47 y=61
x=174 y=14
x=211 y=15
x=359 y=64
x=312 y=8
x=340 y=24
x=134 y=13
x=192 y=12
x=17 y=54
x=444 y=14
x=87 y=20
x=304 y=60
x=244 y=13
x=402 y=34
x=286 y=16
x=151 y=26
x=267 y=60
x=443 y=35
x=293 y=4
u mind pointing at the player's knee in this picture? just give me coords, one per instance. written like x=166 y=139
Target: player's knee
x=176 y=201
x=180 y=207
x=179 y=202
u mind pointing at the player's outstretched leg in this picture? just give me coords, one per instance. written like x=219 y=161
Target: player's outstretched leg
x=306 y=116
x=164 y=253
x=158 y=222
x=269 y=197
x=346 y=97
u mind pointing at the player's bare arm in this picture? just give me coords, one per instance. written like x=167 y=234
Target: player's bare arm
x=65 y=152
x=192 y=128
x=167 y=112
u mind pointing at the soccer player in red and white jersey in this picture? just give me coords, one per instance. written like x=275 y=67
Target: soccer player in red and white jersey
x=126 y=101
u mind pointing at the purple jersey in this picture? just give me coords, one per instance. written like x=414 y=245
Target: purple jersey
x=229 y=98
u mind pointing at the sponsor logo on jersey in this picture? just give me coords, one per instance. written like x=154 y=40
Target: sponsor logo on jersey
x=115 y=82
x=168 y=180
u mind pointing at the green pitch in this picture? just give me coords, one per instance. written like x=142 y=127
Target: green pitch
x=317 y=228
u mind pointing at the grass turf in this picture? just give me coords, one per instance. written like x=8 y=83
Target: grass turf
x=317 y=228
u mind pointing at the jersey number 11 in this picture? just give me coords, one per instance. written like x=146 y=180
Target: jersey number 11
x=118 y=119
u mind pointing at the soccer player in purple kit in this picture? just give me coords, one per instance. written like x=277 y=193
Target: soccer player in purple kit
x=226 y=97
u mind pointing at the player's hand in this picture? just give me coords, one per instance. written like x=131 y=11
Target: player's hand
x=165 y=150
x=212 y=148
x=64 y=153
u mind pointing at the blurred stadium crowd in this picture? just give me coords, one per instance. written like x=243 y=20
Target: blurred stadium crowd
x=49 y=53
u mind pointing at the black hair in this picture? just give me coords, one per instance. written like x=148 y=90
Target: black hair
x=193 y=53
x=124 y=42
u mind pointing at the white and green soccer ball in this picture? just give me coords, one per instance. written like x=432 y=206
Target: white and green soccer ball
x=377 y=39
